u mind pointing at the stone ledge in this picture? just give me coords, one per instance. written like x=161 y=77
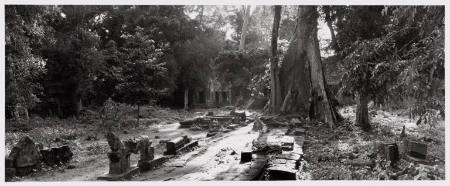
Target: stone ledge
x=150 y=165
x=119 y=177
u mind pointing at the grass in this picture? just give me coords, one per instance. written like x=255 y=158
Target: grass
x=85 y=134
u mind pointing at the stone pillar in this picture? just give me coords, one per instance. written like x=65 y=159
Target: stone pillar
x=145 y=150
x=119 y=157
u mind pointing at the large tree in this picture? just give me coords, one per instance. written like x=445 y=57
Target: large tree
x=302 y=81
x=26 y=30
x=401 y=60
x=274 y=80
x=244 y=26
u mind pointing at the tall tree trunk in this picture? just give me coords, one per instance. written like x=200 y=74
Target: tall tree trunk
x=138 y=112
x=329 y=21
x=202 y=8
x=186 y=98
x=362 y=112
x=244 y=27
x=302 y=80
x=275 y=97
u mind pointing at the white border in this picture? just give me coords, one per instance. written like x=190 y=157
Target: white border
x=220 y=2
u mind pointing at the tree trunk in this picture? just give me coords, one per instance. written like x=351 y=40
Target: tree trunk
x=138 y=112
x=244 y=27
x=202 y=8
x=59 y=107
x=329 y=22
x=78 y=106
x=275 y=98
x=186 y=98
x=302 y=80
x=230 y=96
x=362 y=112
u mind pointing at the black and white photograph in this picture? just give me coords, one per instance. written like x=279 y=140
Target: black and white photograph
x=235 y=92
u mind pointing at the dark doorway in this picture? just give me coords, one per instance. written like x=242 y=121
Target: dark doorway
x=217 y=97
x=201 y=97
x=225 y=97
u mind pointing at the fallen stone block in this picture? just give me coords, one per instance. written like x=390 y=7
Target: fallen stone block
x=287 y=143
x=152 y=164
x=255 y=169
x=188 y=147
x=64 y=154
x=56 y=155
x=222 y=118
x=25 y=153
x=280 y=172
x=204 y=122
x=48 y=157
x=289 y=156
x=24 y=157
x=247 y=154
x=417 y=149
x=232 y=126
x=187 y=123
x=391 y=152
x=173 y=145
x=299 y=132
x=240 y=115
x=211 y=133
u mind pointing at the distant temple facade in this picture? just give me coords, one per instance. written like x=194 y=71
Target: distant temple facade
x=214 y=94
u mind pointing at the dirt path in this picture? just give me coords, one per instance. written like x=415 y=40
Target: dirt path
x=89 y=167
x=208 y=162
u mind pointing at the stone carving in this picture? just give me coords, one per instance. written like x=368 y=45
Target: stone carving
x=119 y=157
x=146 y=151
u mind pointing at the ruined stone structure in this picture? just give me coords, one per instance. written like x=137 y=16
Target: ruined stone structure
x=146 y=151
x=24 y=157
x=119 y=157
x=213 y=95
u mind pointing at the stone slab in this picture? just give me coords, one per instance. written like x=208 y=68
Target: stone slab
x=120 y=177
x=150 y=165
x=299 y=132
x=246 y=156
x=188 y=147
x=187 y=123
x=281 y=173
x=417 y=149
x=173 y=145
